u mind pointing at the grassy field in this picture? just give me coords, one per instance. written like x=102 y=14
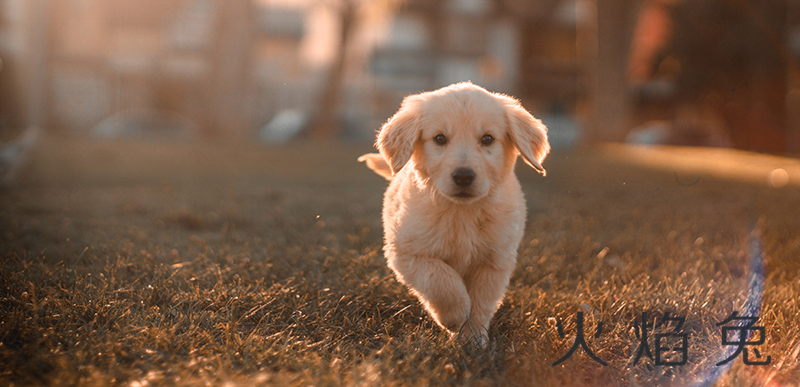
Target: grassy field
x=199 y=264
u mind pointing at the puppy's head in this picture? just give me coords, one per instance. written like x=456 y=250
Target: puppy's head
x=462 y=139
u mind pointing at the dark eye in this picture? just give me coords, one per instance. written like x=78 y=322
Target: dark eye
x=487 y=139
x=440 y=139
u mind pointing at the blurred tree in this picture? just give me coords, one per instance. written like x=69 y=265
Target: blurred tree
x=609 y=89
x=12 y=107
x=231 y=58
x=350 y=13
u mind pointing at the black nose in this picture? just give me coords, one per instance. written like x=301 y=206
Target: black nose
x=463 y=177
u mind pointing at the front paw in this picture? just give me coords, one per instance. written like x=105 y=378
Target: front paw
x=452 y=316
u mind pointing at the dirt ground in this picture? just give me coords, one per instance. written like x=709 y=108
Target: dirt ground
x=142 y=263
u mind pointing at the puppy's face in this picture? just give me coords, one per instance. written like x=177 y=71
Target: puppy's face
x=462 y=139
x=463 y=148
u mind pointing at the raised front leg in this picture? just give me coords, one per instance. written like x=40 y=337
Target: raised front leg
x=485 y=286
x=438 y=286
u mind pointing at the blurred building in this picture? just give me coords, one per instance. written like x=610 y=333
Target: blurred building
x=527 y=49
x=227 y=68
x=224 y=66
x=702 y=72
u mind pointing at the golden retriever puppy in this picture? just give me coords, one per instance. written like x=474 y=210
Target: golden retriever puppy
x=454 y=213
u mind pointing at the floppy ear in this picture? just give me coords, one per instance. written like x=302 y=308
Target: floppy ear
x=398 y=136
x=528 y=134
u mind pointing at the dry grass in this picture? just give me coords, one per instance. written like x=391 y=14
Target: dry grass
x=157 y=264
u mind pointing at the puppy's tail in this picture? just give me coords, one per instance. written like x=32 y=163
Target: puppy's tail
x=377 y=163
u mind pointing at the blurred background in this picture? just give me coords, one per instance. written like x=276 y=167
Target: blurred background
x=722 y=73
